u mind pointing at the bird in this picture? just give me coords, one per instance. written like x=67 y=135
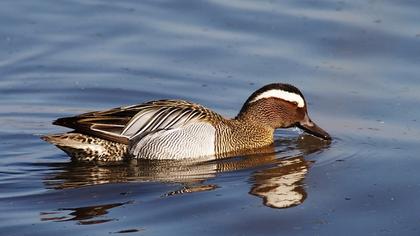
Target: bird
x=179 y=129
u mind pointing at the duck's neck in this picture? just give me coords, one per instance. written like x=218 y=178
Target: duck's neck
x=252 y=127
x=256 y=117
x=240 y=134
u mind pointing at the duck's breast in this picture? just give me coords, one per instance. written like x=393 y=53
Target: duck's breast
x=194 y=140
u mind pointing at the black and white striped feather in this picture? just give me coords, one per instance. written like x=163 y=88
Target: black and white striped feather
x=132 y=122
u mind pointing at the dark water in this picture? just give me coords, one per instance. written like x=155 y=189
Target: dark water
x=357 y=62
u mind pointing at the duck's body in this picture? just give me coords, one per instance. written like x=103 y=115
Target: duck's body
x=176 y=129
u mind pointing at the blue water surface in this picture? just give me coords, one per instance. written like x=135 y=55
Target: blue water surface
x=357 y=63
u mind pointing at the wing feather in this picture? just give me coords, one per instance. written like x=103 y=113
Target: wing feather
x=125 y=123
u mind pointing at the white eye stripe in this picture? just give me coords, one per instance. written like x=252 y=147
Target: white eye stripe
x=276 y=93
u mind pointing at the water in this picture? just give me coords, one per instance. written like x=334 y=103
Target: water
x=357 y=62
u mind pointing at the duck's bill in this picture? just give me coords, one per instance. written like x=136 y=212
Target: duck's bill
x=312 y=128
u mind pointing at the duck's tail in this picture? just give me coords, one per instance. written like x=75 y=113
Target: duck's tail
x=82 y=147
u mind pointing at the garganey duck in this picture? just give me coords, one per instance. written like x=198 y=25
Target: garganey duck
x=177 y=129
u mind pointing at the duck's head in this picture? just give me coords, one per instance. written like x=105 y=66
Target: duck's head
x=280 y=106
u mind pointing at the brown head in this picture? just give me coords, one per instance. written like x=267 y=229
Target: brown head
x=280 y=106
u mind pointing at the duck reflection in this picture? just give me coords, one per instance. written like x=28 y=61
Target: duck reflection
x=281 y=186
x=278 y=176
x=84 y=215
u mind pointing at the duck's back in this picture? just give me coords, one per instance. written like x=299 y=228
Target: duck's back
x=164 y=129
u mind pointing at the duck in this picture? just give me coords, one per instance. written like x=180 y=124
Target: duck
x=179 y=129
